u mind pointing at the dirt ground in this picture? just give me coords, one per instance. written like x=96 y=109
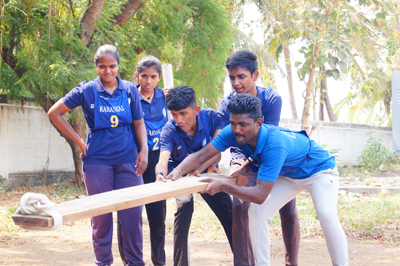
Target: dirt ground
x=71 y=245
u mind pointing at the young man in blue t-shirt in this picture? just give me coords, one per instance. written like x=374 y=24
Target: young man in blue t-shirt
x=243 y=74
x=190 y=130
x=288 y=163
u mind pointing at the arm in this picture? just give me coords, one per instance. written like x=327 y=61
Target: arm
x=193 y=161
x=210 y=164
x=55 y=114
x=257 y=194
x=141 y=135
x=162 y=166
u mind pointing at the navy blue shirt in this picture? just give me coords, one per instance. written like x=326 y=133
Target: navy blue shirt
x=110 y=145
x=279 y=148
x=271 y=106
x=180 y=144
x=155 y=118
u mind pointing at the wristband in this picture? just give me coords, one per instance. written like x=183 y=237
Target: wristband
x=161 y=173
x=180 y=172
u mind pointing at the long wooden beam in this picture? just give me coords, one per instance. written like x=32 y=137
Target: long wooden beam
x=119 y=200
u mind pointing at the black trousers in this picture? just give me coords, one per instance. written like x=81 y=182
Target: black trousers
x=220 y=204
x=156 y=214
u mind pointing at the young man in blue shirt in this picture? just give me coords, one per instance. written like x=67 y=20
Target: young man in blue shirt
x=288 y=163
x=190 y=130
x=243 y=74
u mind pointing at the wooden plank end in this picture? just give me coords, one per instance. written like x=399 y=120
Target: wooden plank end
x=32 y=220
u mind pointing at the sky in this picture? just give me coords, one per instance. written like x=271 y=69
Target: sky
x=337 y=89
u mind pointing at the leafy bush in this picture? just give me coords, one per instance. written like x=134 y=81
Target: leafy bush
x=3 y=185
x=376 y=157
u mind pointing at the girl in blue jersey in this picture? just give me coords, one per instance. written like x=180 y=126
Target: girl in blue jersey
x=110 y=158
x=148 y=74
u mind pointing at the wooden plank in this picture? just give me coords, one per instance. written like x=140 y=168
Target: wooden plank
x=33 y=220
x=119 y=200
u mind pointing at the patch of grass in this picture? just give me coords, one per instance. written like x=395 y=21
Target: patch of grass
x=370 y=217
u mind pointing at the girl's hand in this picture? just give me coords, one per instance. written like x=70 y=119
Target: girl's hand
x=165 y=90
x=141 y=162
x=82 y=147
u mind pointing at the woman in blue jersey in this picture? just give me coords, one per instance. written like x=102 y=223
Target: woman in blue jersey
x=148 y=74
x=110 y=158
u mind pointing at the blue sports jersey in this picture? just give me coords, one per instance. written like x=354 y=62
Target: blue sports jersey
x=280 y=151
x=180 y=144
x=271 y=105
x=110 y=139
x=155 y=118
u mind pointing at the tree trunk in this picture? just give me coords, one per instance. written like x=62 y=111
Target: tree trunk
x=288 y=65
x=322 y=94
x=127 y=11
x=305 y=124
x=89 y=20
x=80 y=128
x=329 y=109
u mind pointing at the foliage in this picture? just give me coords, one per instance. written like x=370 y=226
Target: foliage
x=44 y=35
x=344 y=37
x=375 y=156
x=44 y=55
x=194 y=36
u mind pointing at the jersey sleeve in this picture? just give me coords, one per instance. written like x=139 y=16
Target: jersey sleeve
x=223 y=114
x=224 y=139
x=272 y=109
x=136 y=107
x=75 y=97
x=167 y=139
x=213 y=121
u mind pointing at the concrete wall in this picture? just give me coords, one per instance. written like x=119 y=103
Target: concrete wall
x=348 y=139
x=27 y=140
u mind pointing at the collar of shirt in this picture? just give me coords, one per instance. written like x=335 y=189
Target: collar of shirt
x=100 y=88
x=158 y=93
x=200 y=127
x=262 y=138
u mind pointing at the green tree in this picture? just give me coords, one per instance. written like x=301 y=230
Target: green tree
x=340 y=38
x=47 y=46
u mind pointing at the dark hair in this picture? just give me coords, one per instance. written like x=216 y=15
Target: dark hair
x=106 y=49
x=243 y=103
x=148 y=61
x=243 y=58
x=180 y=98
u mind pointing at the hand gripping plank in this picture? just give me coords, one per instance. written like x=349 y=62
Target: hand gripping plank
x=118 y=200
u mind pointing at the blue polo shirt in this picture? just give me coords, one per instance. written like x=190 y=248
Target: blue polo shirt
x=155 y=118
x=180 y=144
x=279 y=149
x=271 y=106
x=107 y=146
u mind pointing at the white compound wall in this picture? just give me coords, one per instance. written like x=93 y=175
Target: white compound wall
x=27 y=139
